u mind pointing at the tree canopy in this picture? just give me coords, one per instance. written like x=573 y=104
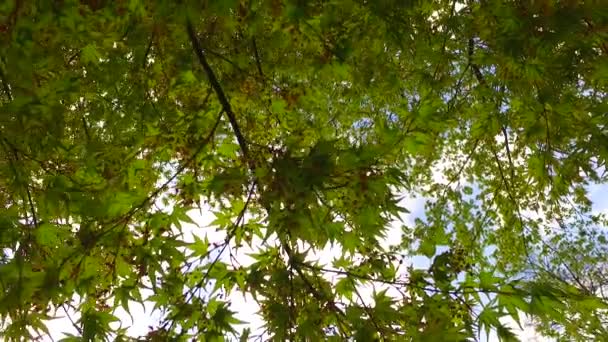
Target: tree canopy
x=304 y=125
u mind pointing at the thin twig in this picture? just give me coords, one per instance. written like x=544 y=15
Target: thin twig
x=203 y=282
x=79 y=329
x=482 y=81
x=512 y=198
x=474 y=66
x=148 y=49
x=292 y=307
x=367 y=309
x=127 y=217
x=18 y=179
x=229 y=237
x=5 y=86
x=86 y=128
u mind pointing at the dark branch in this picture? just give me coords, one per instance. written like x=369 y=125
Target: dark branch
x=86 y=128
x=474 y=66
x=257 y=59
x=148 y=49
x=204 y=280
x=15 y=153
x=5 y=86
x=219 y=91
x=128 y=216
x=368 y=310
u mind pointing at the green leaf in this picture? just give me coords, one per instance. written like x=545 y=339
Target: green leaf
x=123 y=269
x=345 y=287
x=305 y=128
x=48 y=235
x=199 y=246
x=89 y=54
x=427 y=248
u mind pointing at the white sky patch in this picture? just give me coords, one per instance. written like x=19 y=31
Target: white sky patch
x=247 y=308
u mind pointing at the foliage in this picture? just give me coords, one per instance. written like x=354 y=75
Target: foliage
x=301 y=123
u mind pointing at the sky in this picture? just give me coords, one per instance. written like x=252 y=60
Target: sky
x=142 y=316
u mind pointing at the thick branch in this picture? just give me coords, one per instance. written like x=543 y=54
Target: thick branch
x=196 y=45
x=241 y=140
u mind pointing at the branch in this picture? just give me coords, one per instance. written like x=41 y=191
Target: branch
x=257 y=59
x=356 y=276
x=127 y=217
x=148 y=49
x=229 y=237
x=445 y=38
x=292 y=308
x=196 y=45
x=458 y=173
x=5 y=86
x=86 y=128
x=603 y=45
x=19 y=180
x=225 y=59
x=7 y=90
x=368 y=310
x=203 y=282
x=566 y=266
x=317 y=294
x=482 y=81
x=31 y=203
x=78 y=328
x=474 y=66
x=515 y=202
x=464 y=289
